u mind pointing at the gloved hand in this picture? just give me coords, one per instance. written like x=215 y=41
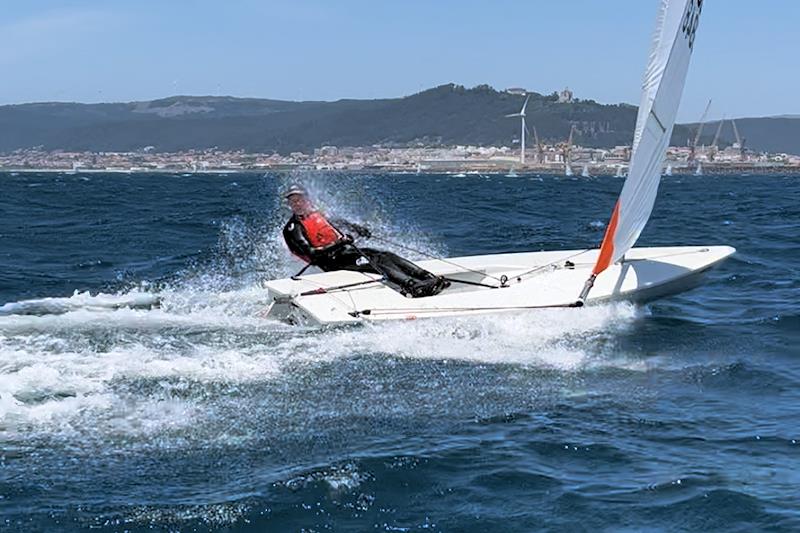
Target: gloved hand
x=363 y=231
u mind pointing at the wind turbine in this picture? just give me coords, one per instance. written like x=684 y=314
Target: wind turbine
x=521 y=114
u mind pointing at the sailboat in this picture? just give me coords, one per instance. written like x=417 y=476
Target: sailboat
x=585 y=172
x=513 y=282
x=699 y=170
x=668 y=170
x=568 y=170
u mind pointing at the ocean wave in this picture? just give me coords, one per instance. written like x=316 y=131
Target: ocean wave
x=61 y=372
x=157 y=397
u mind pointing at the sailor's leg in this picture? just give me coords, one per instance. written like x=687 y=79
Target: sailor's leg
x=349 y=259
x=413 y=279
x=382 y=261
x=392 y=260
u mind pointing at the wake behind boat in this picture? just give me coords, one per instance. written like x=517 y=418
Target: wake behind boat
x=539 y=280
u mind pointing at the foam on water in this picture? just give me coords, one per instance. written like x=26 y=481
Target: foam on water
x=63 y=372
x=79 y=300
x=141 y=362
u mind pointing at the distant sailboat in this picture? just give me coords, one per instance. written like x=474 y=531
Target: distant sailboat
x=585 y=172
x=620 y=173
x=568 y=170
x=668 y=171
x=512 y=173
x=699 y=170
x=75 y=167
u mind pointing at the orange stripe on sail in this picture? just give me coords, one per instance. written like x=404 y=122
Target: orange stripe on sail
x=607 y=248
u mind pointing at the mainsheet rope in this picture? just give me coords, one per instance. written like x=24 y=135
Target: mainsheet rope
x=438 y=258
x=502 y=280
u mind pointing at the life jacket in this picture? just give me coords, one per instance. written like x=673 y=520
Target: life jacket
x=319 y=231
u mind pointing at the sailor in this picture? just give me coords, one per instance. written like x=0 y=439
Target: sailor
x=320 y=242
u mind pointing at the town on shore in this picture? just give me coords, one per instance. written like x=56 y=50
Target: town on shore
x=545 y=158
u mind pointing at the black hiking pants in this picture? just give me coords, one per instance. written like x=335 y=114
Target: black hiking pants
x=397 y=270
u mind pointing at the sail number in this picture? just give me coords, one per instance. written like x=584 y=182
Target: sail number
x=691 y=19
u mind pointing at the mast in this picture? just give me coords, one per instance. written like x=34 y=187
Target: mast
x=665 y=76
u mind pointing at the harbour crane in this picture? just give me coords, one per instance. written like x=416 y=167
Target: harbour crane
x=739 y=141
x=539 y=147
x=567 y=152
x=693 y=146
x=712 y=150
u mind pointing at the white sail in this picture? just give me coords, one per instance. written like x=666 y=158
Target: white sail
x=663 y=84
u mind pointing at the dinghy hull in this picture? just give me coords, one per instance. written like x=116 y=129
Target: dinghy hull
x=533 y=280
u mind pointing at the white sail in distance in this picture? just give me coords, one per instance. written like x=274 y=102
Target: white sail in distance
x=665 y=76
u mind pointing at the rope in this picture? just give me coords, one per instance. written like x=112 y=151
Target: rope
x=369 y=312
x=665 y=255
x=337 y=288
x=621 y=261
x=502 y=279
x=551 y=263
x=443 y=260
x=473 y=283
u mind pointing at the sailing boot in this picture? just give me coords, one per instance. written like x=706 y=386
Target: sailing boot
x=428 y=287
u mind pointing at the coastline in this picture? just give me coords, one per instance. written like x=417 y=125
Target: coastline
x=460 y=172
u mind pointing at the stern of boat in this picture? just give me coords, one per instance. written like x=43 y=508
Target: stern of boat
x=307 y=302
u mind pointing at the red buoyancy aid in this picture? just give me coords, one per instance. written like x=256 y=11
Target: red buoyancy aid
x=319 y=231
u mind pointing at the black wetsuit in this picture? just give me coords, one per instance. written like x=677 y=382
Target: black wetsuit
x=344 y=255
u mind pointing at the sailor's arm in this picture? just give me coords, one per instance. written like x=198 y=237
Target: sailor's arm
x=296 y=241
x=352 y=227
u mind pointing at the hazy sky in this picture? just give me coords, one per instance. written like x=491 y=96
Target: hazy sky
x=90 y=51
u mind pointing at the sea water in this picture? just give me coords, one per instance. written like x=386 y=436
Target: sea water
x=141 y=389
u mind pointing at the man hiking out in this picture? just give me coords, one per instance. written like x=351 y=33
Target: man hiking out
x=315 y=240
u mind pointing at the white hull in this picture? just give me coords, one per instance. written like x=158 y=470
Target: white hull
x=535 y=280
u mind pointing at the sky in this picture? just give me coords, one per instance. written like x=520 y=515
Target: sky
x=745 y=56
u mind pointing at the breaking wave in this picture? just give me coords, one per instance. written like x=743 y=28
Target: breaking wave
x=158 y=358
x=67 y=362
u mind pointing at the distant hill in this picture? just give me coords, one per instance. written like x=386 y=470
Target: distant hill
x=445 y=115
